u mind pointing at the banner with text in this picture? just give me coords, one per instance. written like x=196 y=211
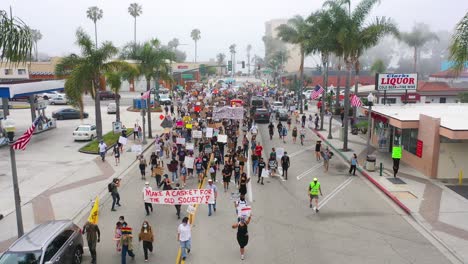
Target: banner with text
x=192 y=196
x=228 y=113
x=394 y=81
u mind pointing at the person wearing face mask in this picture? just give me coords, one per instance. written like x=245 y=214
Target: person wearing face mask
x=146 y=235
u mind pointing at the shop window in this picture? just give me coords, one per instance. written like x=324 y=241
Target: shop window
x=409 y=140
x=388 y=100
x=21 y=71
x=8 y=72
x=442 y=100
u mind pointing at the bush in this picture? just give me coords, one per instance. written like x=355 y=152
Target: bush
x=110 y=139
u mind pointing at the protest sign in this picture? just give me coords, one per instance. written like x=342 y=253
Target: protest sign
x=189 y=162
x=279 y=153
x=222 y=138
x=185 y=197
x=189 y=146
x=265 y=173
x=180 y=123
x=188 y=126
x=209 y=132
x=244 y=211
x=197 y=134
x=123 y=140
x=180 y=141
x=235 y=196
x=137 y=148
x=228 y=113
x=191 y=209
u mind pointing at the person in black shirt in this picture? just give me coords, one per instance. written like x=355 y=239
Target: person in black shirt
x=205 y=160
x=285 y=165
x=227 y=172
x=261 y=167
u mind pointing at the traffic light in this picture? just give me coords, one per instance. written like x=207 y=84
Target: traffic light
x=243 y=64
x=229 y=65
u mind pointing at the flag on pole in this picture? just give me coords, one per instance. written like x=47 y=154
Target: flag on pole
x=355 y=101
x=146 y=95
x=318 y=90
x=94 y=214
x=22 y=141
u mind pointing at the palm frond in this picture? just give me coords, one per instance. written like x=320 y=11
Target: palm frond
x=15 y=39
x=83 y=40
x=459 y=46
x=362 y=10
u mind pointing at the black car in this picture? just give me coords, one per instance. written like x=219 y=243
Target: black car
x=106 y=95
x=57 y=241
x=68 y=113
x=261 y=114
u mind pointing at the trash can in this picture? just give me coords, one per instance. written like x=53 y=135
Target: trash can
x=370 y=163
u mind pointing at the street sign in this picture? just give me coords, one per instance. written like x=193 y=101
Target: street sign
x=396 y=81
x=187 y=76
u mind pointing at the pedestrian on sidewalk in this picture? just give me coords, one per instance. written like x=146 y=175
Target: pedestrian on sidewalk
x=140 y=133
x=135 y=131
x=254 y=163
x=113 y=188
x=318 y=150
x=272 y=165
x=317 y=119
x=271 y=129
x=102 y=150
x=173 y=168
x=148 y=204
x=245 y=144
x=237 y=172
x=243 y=184
x=116 y=153
x=326 y=159
x=261 y=167
x=294 y=134
x=142 y=166
x=354 y=163
x=177 y=206
x=93 y=236
x=303 y=119
x=285 y=164
x=146 y=235
x=289 y=122
x=184 y=235
x=227 y=172
x=242 y=233
x=199 y=169
x=314 y=190
x=127 y=243
x=239 y=204
x=214 y=189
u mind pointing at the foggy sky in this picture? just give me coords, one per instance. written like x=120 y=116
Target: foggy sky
x=221 y=22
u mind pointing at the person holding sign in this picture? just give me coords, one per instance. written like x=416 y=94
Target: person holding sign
x=242 y=233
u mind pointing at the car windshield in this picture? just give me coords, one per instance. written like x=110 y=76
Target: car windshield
x=21 y=257
x=82 y=128
x=278 y=104
x=282 y=111
x=261 y=111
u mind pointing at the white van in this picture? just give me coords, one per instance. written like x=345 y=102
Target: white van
x=111 y=108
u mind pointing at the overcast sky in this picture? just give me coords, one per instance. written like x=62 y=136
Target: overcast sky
x=221 y=22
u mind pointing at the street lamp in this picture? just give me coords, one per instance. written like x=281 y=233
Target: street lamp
x=9 y=127
x=370 y=102
x=143 y=112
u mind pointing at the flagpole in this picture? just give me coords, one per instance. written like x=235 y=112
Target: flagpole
x=19 y=215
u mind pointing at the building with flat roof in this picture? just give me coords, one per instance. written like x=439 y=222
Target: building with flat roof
x=434 y=137
x=294 y=56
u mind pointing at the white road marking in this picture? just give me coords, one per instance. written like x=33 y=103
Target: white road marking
x=300 y=151
x=302 y=175
x=335 y=192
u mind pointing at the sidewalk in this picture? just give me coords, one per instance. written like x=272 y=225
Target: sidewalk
x=438 y=210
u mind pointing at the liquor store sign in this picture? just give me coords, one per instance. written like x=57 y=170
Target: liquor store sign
x=396 y=81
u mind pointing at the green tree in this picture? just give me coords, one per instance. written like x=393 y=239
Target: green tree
x=94 y=13
x=83 y=73
x=195 y=35
x=135 y=10
x=296 y=31
x=459 y=46
x=16 y=40
x=378 y=66
x=463 y=97
x=416 y=39
x=115 y=78
x=220 y=61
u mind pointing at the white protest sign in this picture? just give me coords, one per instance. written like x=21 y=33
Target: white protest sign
x=292 y=108
x=191 y=196
x=222 y=138
x=279 y=153
x=209 y=132
x=189 y=161
x=189 y=146
x=265 y=173
x=244 y=211
x=235 y=196
x=197 y=134
x=123 y=140
x=191 y=209
x=137 y=148
x=180 y=141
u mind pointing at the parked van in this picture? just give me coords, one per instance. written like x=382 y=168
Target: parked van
x=111 y=108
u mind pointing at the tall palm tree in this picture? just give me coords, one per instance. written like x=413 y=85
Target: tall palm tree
x=296 y=31
x=83 y=73
x=15 y=38
x=249 y=49
x=416 y=39
x=94 y=13
x=173 y=44
x=232 y=50
x=195 y=34
x=459 y=45
x=115 y=78
x=354 y=37
x=135 y=10
x=220 y=61
x=36 y=36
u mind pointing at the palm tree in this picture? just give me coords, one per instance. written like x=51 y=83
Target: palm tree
x=36 y=36
x=249 y=48
x=115 y=78
x=220 y=61
x=94 y=13
x=296 y=31
x=232 y=50
x=135 y=10
x=83 y=73
x=195 y=34
x=378 y=66
x=15 y=38
x=459 y=45
x=173 y=44
x=354 y=37
x=417 y=38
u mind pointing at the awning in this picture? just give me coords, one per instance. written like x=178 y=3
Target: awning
x=30 y=88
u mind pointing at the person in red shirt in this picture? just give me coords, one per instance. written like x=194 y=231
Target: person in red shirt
x=319 y=105
x=258 y=150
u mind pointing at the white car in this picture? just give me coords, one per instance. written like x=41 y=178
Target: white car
x=307 y=94
x=85 y=132
x=50 y=95
x=59 y=99
x=164 y=99
x=276 y=105
x=111 y=108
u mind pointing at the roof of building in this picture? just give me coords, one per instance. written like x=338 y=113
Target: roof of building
x=450 y=74
x=452 y=116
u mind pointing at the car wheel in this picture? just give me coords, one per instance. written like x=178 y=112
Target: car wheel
x=91 y=137
x=45 y=97
x=52 y=103
x=77 y=256
x=60 y=117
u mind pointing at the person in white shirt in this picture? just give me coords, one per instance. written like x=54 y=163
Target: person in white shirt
x=254 y=129
x=215 y=192
x=148 y=204
x=102 y=150
x=239 y=204
x=184 y=235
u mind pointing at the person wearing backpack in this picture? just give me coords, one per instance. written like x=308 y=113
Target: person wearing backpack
x=112 y=188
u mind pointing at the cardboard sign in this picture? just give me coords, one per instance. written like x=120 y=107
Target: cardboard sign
x=188 y=126
x=180 y=141
x=189 y=161
x=209 y=132
x=235 y=196
x=279 y=153
x=137 y=148
x=123 y=140
x=185 y=197
x=222 y=138
x=197 y=134
x=157 y=171
x=244 y=211
x=191 y=209
x=265 y=173
x=189 y=146
x=180 y=123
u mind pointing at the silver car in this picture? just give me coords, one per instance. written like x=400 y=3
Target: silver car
x=58 y=241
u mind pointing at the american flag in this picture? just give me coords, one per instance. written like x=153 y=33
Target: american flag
x=355 y=101
x=145 y=95
x=318 y=90
x=22 y=141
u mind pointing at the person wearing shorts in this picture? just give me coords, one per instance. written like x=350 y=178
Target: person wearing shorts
x=227 y=172
x=314 y=190
x=242 y=233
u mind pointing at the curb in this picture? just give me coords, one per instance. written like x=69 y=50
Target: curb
x=363 y=172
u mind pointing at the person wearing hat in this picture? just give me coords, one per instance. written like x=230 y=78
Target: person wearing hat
x=148 y=204
x=314 y=190
x=214 y=189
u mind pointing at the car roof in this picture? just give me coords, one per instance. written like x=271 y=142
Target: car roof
x=278 y=102
x=262 y=109
x=85 y=125
x=37 y=238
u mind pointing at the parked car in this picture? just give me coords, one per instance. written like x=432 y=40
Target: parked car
x=307 y=94
x=282 y=114
x=276 y=106
x=105 y=95
x=68 y=113
x=111 y=108
x=85 y=132
x=49 y=95
x=261 y=114
x=164 y=99
x=59 y=99
x=58 y=241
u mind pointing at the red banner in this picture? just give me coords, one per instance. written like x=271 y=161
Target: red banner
x=419 y=148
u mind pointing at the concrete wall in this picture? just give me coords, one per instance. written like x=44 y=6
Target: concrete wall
x=452 y=158
x=10 y=71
